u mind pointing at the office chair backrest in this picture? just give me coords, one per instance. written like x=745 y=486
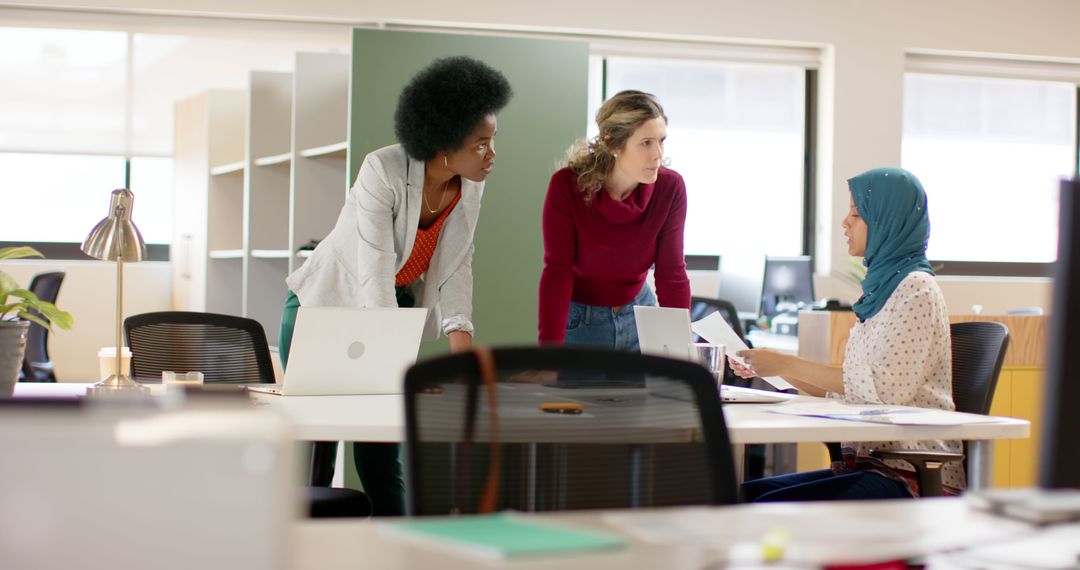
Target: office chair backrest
x=225 y=348
x=978 y=351
x=701 y=307
x=595 y=429
x=37 y=367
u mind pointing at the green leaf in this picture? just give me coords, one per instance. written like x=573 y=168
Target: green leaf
x=62 y=319
x=26 y=294
x=27 y=300
x=7 y=285
x=18 y=252
x=35 y=318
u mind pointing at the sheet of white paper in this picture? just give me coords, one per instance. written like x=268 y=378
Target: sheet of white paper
x=715 y=329
x=853 y=535
x=897 y=415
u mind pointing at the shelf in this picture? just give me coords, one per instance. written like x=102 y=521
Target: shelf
x=273 y=160
x=226 y=253
x=230 y=168
x=270 y=253
x=336 y=149
x=305 y=253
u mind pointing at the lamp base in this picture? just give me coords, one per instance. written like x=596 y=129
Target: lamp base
x=116 y=383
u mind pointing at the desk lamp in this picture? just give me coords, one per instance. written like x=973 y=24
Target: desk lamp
x=116 y=238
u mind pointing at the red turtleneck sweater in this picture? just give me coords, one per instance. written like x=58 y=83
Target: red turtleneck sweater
x=599 y=254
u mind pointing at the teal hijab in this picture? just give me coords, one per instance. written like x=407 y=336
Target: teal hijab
x=892 y=202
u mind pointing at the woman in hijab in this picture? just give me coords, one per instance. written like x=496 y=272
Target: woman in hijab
x=898 y=353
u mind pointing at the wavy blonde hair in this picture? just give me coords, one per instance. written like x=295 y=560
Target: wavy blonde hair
x=593 y=159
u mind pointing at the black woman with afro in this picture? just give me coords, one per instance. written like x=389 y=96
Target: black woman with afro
x=405 y=235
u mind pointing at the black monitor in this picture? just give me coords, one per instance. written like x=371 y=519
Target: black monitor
x=1059 y=464
x=788 y=283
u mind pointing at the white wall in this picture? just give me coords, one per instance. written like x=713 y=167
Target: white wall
x=864 y=42
x=89 y=294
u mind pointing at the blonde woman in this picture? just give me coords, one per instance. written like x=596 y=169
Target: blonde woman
x=611 y=214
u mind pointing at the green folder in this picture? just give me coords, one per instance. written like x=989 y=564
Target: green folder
x=502 y=535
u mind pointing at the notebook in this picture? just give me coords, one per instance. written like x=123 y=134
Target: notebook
x=501 y=536
x=349 y=351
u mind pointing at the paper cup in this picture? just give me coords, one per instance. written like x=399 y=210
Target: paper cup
x=107 y=361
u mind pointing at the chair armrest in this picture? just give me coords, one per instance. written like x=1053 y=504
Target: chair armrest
x=927 y=464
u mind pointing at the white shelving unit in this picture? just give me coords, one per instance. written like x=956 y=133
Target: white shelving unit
x=257 y=175
x=266 y=204
x=319 y=176
x=208 y=202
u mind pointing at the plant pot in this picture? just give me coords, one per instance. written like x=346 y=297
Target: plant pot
x=12 y=347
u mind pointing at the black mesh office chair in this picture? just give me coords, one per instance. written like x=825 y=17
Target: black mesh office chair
x=37 y=366
x=227 y=350
x=978 y=352
x=597 y=429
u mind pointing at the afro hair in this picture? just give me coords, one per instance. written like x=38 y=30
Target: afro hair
x=441 y=105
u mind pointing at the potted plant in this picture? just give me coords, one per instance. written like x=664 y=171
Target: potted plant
x=16 y=306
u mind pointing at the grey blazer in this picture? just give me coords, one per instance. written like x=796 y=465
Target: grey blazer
x=356 y=264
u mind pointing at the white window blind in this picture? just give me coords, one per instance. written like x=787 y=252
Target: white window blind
x=990 y=152
x=735 y=134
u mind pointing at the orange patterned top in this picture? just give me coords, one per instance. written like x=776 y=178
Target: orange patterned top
x=423 y=248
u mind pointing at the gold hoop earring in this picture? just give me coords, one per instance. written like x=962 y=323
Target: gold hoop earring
x=445 y=162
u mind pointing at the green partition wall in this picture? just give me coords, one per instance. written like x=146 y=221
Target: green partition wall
x=547 y=113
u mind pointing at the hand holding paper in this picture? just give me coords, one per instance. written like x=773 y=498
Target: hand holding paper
x=715 y=329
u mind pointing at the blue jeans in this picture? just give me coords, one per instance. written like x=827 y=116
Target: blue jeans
x=606 y=327
x=823 y=485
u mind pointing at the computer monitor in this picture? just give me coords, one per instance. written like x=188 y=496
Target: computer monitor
x=787 y=282
x=1059 y=465
x=740 y=283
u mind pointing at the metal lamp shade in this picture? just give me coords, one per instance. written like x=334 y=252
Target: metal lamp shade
x=116 y=233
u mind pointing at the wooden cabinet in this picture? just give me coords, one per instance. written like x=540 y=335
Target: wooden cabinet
x=823 y=336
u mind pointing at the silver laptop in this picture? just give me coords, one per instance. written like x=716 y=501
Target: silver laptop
x=348 y=351
x=664 y=331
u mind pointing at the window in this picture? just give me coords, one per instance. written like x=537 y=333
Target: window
x=990 y=153
x=86 y=111
x=57 y=197
x=728 y=125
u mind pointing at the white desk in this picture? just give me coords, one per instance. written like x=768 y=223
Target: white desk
x=911 y=529
x=382 y=419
